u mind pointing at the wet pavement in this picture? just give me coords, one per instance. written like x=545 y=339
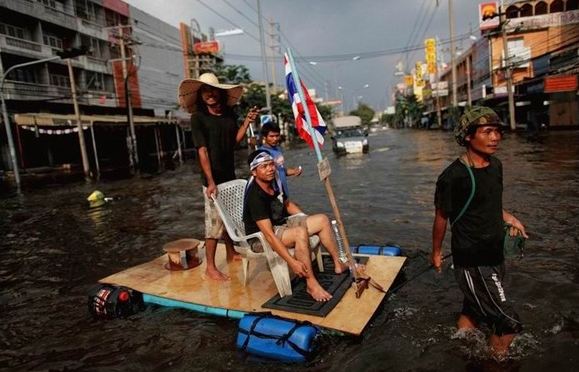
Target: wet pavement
x=54 y=249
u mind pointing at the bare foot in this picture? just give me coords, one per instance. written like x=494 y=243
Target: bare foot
x=318 y=293
x=215 y=274
x=340 y=267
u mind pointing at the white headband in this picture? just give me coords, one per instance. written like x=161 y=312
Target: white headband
x=261 y=158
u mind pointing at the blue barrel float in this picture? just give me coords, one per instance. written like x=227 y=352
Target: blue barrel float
x=377 y=250
x=272 y=337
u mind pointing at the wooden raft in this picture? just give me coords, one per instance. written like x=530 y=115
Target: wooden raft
x=349 y=316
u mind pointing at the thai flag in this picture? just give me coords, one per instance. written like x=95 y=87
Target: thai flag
x=302 y=125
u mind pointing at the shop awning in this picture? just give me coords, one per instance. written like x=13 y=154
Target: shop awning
x=45 y=119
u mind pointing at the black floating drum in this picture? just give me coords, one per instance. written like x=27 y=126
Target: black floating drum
x=106 y=301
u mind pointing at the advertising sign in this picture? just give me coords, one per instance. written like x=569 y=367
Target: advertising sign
x=206 y=47
x=418 y=75
x=430 y=55
x=488 y=15
x=408 y=80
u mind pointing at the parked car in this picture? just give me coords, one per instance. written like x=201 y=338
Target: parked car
x=349 y=136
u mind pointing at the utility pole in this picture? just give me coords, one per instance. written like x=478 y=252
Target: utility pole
x=263 y=57
x=438 y=113
x=274 y=47
x=85 y=165
x=507 y=67
x=469 y=97
x=452 y=52
x=133 y=154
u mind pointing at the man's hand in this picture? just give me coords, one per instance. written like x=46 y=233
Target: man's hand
x=211 y=189
x=436 y=260
x=517 y=228
x=299 y=268
x=252 y=114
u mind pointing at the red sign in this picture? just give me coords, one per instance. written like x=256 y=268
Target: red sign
x=560 y=83
x=206 y=47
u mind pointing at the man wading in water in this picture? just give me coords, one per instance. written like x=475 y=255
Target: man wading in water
x=215 y=133
x=477 y=232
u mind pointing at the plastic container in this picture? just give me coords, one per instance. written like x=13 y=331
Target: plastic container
x=377 y=250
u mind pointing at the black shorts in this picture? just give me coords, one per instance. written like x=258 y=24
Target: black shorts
x=485 y=298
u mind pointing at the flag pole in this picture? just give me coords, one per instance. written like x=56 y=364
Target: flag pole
x=324 y=171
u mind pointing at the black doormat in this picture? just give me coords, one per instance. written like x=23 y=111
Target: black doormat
x=301 y=302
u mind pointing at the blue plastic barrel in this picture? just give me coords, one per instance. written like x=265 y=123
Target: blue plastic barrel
x=275 y=338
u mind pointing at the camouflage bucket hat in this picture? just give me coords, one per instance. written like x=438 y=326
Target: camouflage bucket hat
x=474 y=117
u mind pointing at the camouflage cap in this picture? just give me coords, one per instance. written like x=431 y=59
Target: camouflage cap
x=474 y=117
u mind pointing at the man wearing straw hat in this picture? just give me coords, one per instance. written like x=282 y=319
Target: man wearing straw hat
x=215 y=134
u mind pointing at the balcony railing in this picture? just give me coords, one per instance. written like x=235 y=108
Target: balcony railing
x=23 y=44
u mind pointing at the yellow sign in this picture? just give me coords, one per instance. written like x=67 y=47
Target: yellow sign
x=430 y=55
x=418 y=74
x=408 y=80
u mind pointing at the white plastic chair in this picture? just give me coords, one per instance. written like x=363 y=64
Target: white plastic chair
x=229 y=204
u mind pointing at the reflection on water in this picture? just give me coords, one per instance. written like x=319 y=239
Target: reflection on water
x=54 y=248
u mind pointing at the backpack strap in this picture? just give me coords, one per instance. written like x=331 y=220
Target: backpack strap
x=470 y=197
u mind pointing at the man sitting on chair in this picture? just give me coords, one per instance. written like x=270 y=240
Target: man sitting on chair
x=283 y=224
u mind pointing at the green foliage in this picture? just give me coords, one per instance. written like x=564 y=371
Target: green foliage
x=365 y=112
x=232 y=74
x=408 y=111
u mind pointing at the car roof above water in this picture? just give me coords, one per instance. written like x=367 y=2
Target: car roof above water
x=347 y=122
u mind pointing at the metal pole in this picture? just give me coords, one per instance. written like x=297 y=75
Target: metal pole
x=452 y=52
x=128 y=99
x=84 y=156
x=272 y=49
x=11 y=147
x=327 y=183
x=94 y=149
x=507 y=67
x=179 y=152
x=263 y=57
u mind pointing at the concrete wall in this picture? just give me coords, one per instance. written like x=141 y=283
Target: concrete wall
x=161 y=61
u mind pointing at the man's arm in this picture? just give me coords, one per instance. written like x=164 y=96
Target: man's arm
x=251 y=116
x=438 y=232
x=276 y=244
x=515 y=223
x=206 y=168
x=292 y=208
x=293 y=171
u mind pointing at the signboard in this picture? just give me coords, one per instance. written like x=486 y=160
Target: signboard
x=430 y=55
x=408 y=80
x=206 y=47
x=418 y=75
x=485 y=10
x=560 y=83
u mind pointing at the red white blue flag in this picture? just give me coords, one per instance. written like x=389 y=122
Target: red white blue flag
x=302 y=125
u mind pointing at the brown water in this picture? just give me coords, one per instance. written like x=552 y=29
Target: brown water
x=54 y=249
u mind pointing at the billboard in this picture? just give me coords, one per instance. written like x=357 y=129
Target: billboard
x=488 y=15
x=206 y=47
x=430 y=55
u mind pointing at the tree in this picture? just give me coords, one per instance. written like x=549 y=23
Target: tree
x=232 y=74
x=365 y=112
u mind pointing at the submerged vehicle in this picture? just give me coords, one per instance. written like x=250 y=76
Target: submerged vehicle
x=349 y=137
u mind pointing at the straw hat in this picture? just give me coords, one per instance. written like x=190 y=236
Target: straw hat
x=188 y=89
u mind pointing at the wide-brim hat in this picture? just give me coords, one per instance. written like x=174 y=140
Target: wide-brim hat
x=189 y=88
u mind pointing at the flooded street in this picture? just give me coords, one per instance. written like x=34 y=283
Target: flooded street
x=54 y=249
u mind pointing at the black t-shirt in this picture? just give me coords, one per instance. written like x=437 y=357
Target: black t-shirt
x=217 y=133
x=259 y=205
x=477 y=237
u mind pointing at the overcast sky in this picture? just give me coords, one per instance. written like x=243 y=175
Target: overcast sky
x=329 y=33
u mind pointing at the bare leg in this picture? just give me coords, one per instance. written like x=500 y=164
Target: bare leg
x=500 y=345
x=211 y=271
x=230 y=251
x=320 y=224
x=298 y=238
x=465 y=322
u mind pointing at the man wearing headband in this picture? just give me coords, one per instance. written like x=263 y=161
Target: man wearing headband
x=477 y=227
x=283 y=224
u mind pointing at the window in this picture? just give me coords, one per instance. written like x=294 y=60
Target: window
x=48 y=3
x=541 y=8
x=556 y=6
x=512 y=12
x=60 y=80
x=10 y=30
x=52 y=41
x=526 y=10
x=572 y=5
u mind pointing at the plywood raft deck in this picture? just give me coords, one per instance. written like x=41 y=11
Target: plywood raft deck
x=350 y=315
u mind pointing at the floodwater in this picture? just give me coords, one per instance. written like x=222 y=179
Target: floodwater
x=54 y=249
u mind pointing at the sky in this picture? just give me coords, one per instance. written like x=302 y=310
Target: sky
x=354 y=45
